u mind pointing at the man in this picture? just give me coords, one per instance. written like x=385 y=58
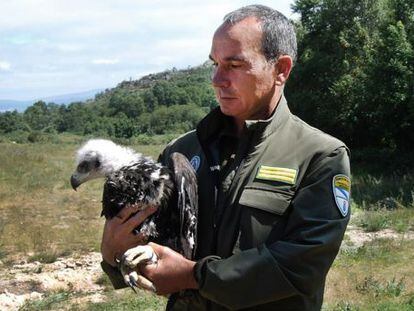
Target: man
x=273 y=191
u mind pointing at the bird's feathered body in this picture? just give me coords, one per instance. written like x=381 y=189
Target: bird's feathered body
x=134 y=179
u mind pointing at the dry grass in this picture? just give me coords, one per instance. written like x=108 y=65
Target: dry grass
x=377 y=274
x=39 y=210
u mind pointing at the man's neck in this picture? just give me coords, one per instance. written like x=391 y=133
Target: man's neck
x=260 y=115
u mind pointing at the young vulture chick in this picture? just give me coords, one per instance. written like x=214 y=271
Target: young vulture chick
x=132 y=178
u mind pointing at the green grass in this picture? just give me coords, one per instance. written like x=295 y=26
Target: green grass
x=371 y=286
x=405 y=305
x=374 y=221
x=381 y=251
x=128 y=300
x=50 y=302
x=373 y=192
x=3 y=252
x=375 y=276
x=400 y=220
x=44 y=257
x=49 y=256
x=124 y=299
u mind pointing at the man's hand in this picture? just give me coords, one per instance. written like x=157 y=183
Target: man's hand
x=171 y=273
x=118 y=235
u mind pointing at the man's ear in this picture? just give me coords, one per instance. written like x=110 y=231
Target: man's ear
x=283 y=67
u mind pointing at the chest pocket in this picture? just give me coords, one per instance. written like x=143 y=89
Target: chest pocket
x=261 y=209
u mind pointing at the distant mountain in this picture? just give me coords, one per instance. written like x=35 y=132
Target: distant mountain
x=10 y=105
x=70 y=98
x=21 y=105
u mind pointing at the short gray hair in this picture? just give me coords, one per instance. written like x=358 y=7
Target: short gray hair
x=279 y=36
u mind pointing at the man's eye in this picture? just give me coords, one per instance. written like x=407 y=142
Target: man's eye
x=235 y=66
x=213 y=63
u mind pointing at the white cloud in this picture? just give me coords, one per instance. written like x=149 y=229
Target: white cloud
x=5 y=66
x=103 y=61
x=69 y=47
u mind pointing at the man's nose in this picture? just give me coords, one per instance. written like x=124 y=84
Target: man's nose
x=219 y=78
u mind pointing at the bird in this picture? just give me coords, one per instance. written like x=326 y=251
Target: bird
x=131 y=178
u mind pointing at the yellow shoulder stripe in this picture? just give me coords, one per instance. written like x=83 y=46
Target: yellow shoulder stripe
x=281 y=174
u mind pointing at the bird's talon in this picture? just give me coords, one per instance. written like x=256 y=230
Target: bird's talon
x=137 y=255
x=133 y=281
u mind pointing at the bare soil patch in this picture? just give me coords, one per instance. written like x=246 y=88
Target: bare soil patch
x=32 y=280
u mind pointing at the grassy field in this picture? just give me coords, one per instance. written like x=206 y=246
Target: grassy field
x=41 y=218
x=39 y=210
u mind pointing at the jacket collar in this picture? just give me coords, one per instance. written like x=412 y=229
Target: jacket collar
x=215 y=122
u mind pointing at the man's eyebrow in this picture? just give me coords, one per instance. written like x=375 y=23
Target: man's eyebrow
x=236 y=58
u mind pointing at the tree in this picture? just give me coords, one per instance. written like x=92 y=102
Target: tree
x=11 y=121
x=391 y=89
x=76 y=116
x=354 y=75
x=175 y=119
x=38 y=116
x=128 y=103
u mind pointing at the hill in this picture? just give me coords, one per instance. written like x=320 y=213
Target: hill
x=169 y=102
x=10 y=105
x=70 y=98
x=21 y=105
x=168 y=88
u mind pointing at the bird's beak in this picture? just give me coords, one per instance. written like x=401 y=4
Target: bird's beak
x=74 y=182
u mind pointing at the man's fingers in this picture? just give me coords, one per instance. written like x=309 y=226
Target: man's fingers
x=139 y=218
x=158 y=249
x=127 y=211
x=137 y=239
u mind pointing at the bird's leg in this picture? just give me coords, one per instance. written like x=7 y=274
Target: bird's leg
x=142 y=254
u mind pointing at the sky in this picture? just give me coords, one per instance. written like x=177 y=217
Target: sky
x=52 y=47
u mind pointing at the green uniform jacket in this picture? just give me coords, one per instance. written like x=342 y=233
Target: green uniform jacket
x=278 y=229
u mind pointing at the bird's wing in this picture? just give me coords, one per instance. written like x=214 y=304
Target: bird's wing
x=186 y=182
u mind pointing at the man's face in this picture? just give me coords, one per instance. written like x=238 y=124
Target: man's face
x=243 y=80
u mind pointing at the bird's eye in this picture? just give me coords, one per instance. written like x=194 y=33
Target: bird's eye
x=83 y=167
x=97 y=164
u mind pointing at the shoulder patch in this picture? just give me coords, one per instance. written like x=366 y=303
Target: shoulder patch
x=341 y=186
x=195 y=162
x=282 y=174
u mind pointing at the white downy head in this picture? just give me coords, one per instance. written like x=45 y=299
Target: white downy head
x=99 y=158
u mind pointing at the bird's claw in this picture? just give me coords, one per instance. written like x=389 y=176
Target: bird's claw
x=142 y=254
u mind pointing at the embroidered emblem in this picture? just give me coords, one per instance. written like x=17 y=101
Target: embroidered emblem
x=341 y=189
x=195 y=162
x=286 y=175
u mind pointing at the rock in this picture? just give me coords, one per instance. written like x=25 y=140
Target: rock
x=35 y=295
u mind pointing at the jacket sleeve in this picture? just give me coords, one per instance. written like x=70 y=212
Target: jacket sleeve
x=295 y=264
x=114 y=275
